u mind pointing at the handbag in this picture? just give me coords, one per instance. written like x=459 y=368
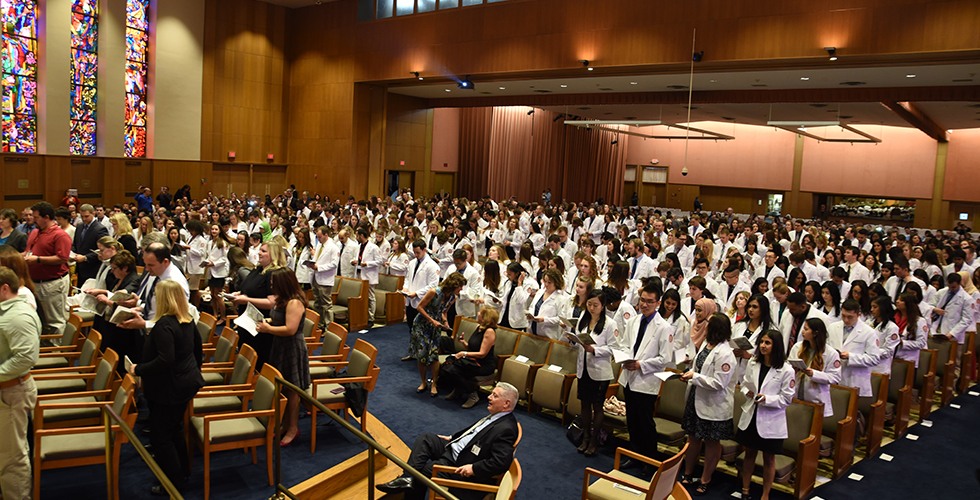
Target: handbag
x=574 y=433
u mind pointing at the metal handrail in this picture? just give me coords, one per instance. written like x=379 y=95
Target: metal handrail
x=108 y=415
x=372 y=444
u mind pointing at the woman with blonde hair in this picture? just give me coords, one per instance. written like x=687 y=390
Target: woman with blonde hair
x=171 y=376
x=477 y=359
x=738 y=309
x=123 y=232
x=256 y=289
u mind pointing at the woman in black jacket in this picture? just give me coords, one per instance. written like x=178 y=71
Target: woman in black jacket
x=171 y=375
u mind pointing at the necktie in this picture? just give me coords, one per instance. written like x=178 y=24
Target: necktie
x=794 y=332
x=505 y=318
x=537 y=310
x=84 y=230
x=360 y=254
x=731 y=288
x=457 y=445
x=936 y=317
x=899 y=289
x=847 y=332
x=318 y=250
x=416 y=270
x=639 y=335
x=848 y=272
x=636 y=261
x=431 y=239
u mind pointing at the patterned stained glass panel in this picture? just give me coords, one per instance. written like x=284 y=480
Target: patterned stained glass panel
x=135 y=141
x=83 y=103
x=84 y=67
x=136 y=78
x=19 y=17
x=19 y=95
x=84 y=32
x=19 y=134
x=82 y=138
x=87 y=7
x=136 y=44
x=137 y=15
x=135 y=110
x=19 y=55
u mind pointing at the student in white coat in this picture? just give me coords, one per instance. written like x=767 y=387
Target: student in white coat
x=647 y=340
x=399 y=258
x=670 y=310
x=197 y=252
x=514 y=298
x=822 y=362
x=325 y=262
x=769 y=384
x=423 y=274
x=710 y=401
x=466 y=304
x=883 y=322
x=913 y=329
x=348 y=254
x=859 y=351
x=217 y=264
x=594 y=367
x=546 y=305
x=367 y=264
x=641 y=265
x=953 y=312
x=756 y=322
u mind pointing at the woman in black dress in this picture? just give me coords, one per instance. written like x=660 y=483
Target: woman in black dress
x=769 y=385
x=476 y=360
x=289 y=353
x=122 y=276
x=256 y=289
x=171 y=376
x=594 y=367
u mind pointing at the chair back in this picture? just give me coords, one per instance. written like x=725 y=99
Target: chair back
x=663 y=480
x=106 y=370
x=878 y=382
x=122 y=404
x=331 y=344
x=226 y=346
x=308 y=325
x=901 y=371
x=800 y=420
x=534 y=348
x=244 y=366
x=362 y=363
x=465 y=326
x=927 y=365
x=565 y=356
x=389 y=283
x=265 y=391
x=348 y=288
x=75 y=320
x=510 y=482
x=68 y=335
x=671 y=402
x=944 y=351
x=337 y=330
x=90 y=349
x=843 y=400
x=506 y=341
x=205 y=325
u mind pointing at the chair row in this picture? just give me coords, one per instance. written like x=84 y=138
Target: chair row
x=349 y=300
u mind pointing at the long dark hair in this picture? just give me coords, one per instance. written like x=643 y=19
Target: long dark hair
x=671 y=294
x=831 y=287
x=586 y=318
x=285 y=287
x=765 y=319
x=719 y=329
x=777 y=355
x=819 y=330
x=912 y=313
x=864 y=298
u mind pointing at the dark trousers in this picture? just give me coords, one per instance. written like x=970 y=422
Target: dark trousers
x=430 y=449
x=639 y=421
x=457 y=374
x=410 y=314
x=167 y=438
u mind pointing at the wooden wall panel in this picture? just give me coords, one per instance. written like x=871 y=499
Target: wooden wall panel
x=23 y=181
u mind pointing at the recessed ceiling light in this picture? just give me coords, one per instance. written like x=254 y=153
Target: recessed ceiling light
x=909 y=76
x=503 y=88
x=447 y=90
x=564 y=86
x=714 y=81
x=805 y=78
x=632 y=83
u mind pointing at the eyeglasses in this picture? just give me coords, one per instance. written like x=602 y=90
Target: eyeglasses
x=648 y=301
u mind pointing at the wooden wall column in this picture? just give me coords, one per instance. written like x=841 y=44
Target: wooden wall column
x=939 y=207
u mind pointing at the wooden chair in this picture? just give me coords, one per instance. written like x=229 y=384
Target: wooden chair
x=205 y=328
x=350 y=299
x=519 y=371
x=222 y=354
x=389 y=303
x=837 y=439
x=100 y=388
x=899 y=405
x=730 y=447
x=976 y=364
x=925 y=381
x=945 y=368
x=77 y=446
x=797 y=464
x=611 y=485
x=505 y=490
x=240 y=372
x=84 y=356
x=244 y=429
x=334 y=348
x=361 y=369
x=669 y=412
x=549 y=386
x=84 y=379
x=967 y=362
x=874 y=410
x=71 y=339
x=311 y=330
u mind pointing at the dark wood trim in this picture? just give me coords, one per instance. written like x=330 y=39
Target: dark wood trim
x=911 y=113
x=22 y=197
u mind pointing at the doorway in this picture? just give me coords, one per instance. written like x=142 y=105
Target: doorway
x=398 y=180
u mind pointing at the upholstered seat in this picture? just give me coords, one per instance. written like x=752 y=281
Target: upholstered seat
x=670 y=412
x=227 y=431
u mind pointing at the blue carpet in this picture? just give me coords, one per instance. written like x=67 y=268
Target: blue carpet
x=552 y=468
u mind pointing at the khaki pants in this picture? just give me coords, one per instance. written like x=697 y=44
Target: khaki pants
x=323 y=304
x=16 y=404
x=372 y=303
x=52 y=297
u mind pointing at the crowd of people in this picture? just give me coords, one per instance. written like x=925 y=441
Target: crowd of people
x=656 y=289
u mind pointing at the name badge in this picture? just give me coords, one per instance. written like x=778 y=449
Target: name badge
x=475 y=449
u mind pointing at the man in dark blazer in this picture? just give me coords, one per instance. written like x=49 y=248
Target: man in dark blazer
x=478 y=452
x=87 y=234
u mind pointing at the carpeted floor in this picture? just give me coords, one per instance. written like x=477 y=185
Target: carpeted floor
x=943 y=458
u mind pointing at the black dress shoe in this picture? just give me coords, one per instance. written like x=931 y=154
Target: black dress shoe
x=397 y=485
x=629 y=463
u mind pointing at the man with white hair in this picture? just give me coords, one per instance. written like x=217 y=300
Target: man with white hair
x=478 y=452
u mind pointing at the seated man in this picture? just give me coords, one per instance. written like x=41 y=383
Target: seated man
x=478 y=453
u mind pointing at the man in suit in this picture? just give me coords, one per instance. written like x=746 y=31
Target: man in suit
x=479 y=452
x=647 y=340
x=87 y=234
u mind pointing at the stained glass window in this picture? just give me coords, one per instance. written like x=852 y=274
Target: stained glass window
x=84 y=70
x=19 y=59
x=137 y=51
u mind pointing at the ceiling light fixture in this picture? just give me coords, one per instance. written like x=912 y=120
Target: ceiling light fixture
x=698 y=56
x=832 y=51
x=416 y=73
x=805 y=78
x=502 y=88
x=910 y=75
x=466 y=84
x=564 y=86
x=585 y=62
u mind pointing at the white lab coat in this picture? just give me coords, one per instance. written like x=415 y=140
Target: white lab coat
x=959 y=314
x=653 y=354
x=598 y=363
x=219 y=257
x=888 y=340
x=912 y=340
x=471 y=291
x=779 y=388
x=515 y=314
x=863 y=354
x=715 y=398
x=304 y=273
x=370 y=264
x=326 y=263
x=398 y=264
x=550 y=309
x=817 y=388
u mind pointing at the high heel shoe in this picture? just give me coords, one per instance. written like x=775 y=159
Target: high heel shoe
x=584 y=446
x=420 y=390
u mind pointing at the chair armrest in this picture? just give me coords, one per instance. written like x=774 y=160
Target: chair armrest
x=589 y=471
x=207 y=368
x=64 y=376
x=64 y=369
x=234 y=416
x=54 y=397
x=341 y=380
x=452 y=483
x=327 y=357
x=222 y=394
x=100 y=429
x=637 y=456
x=56 y=349
x=336 y=364
x=67 y=406
x=69 y=354
x=231 y=387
